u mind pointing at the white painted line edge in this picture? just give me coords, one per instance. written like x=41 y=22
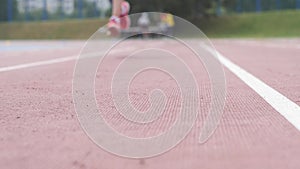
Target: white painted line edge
x=53 y=61
x=287 y=108
x=35 y=64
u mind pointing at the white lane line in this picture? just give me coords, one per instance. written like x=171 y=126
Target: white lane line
x=59 y=60
x=287 y=108
x=35 y=64
x=267 y=44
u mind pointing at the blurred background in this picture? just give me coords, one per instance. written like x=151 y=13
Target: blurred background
x=78 y=19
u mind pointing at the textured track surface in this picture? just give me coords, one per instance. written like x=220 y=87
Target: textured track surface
x=39 y=128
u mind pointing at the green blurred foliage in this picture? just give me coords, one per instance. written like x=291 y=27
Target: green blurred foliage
x=188 y=9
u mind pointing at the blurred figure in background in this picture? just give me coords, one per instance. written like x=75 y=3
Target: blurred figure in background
x=119 y=19
x=144 y=23
x=167 y=23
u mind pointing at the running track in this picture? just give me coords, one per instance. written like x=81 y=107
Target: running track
x=39 y=128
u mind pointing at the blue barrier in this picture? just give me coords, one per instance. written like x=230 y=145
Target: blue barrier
x=9 y=10
x=219 y=8
x=96 y=13
x=239 y=8
x=258 y=5
x=45 y=13
x=80 y=6
x=297 y=4
x=61 y=7
x=263 y=5
x=278 y=4
x=27 y=17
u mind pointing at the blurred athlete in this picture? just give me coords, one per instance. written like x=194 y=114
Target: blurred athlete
x=144 y=23
x=168 y=23
x=119 y=19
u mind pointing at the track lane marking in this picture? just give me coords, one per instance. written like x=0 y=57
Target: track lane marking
x=54 y=61
x=284 y=106
x=35 y=64
x=267 y=44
